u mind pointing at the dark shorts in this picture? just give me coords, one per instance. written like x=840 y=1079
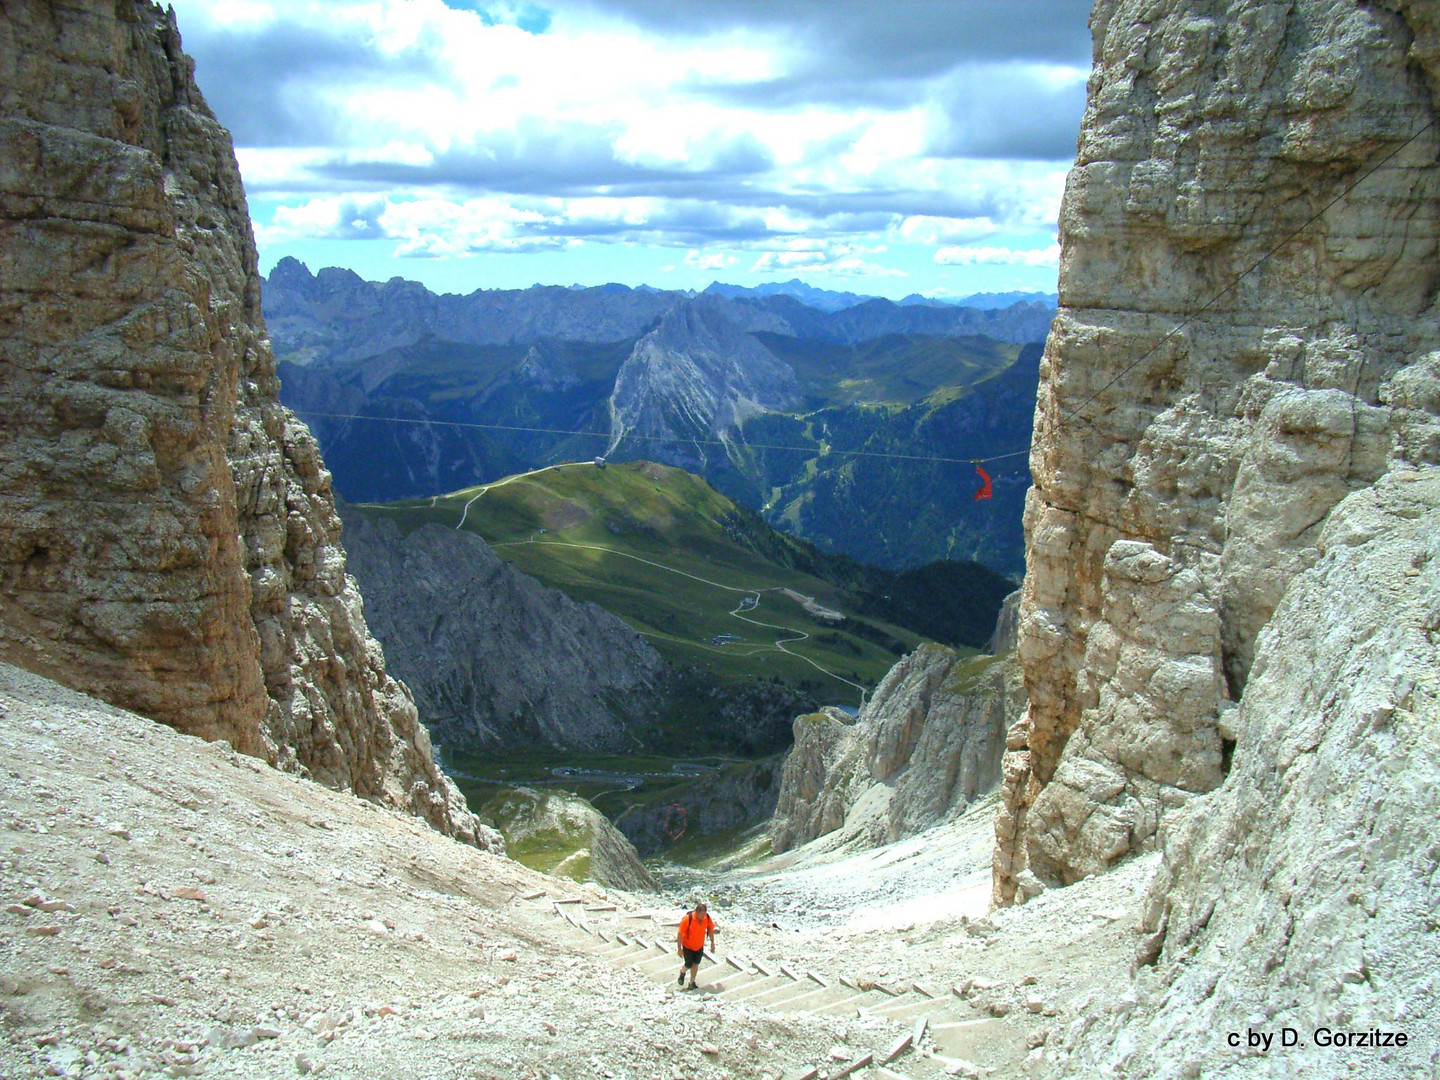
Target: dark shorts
x=693 y=956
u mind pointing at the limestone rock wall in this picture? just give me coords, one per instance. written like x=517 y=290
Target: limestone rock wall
x=168 y=540
x=1302 y=893
x=927 y=745
x=1182 y=482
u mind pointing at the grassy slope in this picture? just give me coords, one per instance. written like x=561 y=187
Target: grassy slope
x=667 y=516
x=894 y=369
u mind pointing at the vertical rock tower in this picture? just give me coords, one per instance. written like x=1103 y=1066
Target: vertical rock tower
x=1242 y=343
x=168 y=538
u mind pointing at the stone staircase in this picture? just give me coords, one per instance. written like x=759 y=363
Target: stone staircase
x=936 y=1029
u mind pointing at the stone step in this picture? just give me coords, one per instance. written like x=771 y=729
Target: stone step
x=735 y=980
x=614 y=949
x=854 y=1000
x=756 y=986
x=906 y=1007
x=630 y=955
x=722 y=982
x=778 y=996
x=653 y=962
x=817 y=997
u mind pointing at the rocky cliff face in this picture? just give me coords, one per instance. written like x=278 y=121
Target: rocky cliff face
x=926 y=746
x=730 y=799
x=1188 y=454
x=698 y=374
x=565 y=836
x=1301 y=893
x=492 y=656
x=167 y=535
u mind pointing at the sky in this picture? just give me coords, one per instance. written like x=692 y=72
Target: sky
x=885 y=148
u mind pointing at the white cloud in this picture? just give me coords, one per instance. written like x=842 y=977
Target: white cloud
x=928 y=229
x=820 y=256
x=972 y=256
x=450 y=130
x=713 y=260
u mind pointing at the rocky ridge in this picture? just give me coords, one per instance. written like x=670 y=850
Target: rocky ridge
x=168 y=539
x=494 y=657
x=926 y=746
x=567 y=837
x=337 y=316
x=697 y=376
x=1183 y=482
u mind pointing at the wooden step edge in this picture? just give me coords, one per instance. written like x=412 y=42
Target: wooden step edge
x=862 y=1062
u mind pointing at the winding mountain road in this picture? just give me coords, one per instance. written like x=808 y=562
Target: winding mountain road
x=501 y=483
x=780 y=643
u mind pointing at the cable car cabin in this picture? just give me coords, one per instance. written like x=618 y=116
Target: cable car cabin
x=600 y=462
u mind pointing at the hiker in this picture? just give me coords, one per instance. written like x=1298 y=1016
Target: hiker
x=690 y=941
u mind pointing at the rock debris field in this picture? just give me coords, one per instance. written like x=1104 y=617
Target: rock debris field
x=171 y=908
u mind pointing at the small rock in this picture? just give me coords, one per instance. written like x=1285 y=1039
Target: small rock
x=375 y=926
x=1035 y=1004
x=548 y=1026
x=303 y=1065
x=386 y=1010
x=841 y=1052
x=188 y=892
x=116 y=829
x=961 y=1067
x=509 y=957
x=56 y=905
x=264 y=1031
x=258 y=923
x=19 y=909
x=998 y=1008
x=42 y=931
x=710 y=1050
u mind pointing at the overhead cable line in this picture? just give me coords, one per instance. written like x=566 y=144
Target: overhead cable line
x=631 y=435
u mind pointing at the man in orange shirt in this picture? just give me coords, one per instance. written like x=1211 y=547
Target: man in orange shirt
x=690 y=941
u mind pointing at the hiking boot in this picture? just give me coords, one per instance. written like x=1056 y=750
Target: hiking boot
x=681 y=980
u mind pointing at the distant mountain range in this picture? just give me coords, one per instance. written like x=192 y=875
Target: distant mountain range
x=826 y=300
x=495 y=382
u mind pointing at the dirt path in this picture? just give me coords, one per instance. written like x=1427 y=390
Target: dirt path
x=168 y=908
x=508 y=480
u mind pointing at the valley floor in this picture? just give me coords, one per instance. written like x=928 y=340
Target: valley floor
x=168 y=908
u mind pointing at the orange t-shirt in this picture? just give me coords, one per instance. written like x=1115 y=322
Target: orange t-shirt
x=693 y=930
